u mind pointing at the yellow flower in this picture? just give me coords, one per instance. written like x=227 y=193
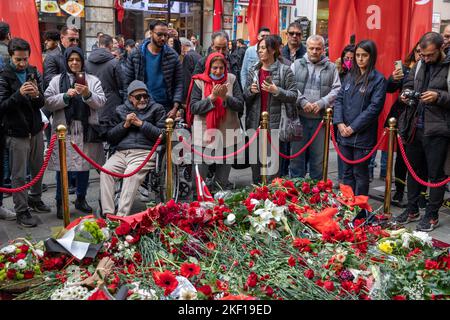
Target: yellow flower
x=387 y=246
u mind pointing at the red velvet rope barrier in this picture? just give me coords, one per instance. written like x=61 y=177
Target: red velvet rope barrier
x=240 y=150
x=115 y=174
x=38 y=177
x=306 y=146
x=411 y=170
x=367 y=157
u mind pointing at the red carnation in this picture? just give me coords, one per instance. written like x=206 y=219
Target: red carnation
x=399 y=297
x=123 y=229
x=28 y=274
x=21 y=256
x=24 y=248
x=165 y=280
x=206 y=290
x=101 y=223
x=252 y=280
x=309 y=273
x=11 y=274
x=329 y=285
x=255 y=252
x=302 y=244
x=291 y=261
x=430 y=264
x=98 y=295
x=189 y=270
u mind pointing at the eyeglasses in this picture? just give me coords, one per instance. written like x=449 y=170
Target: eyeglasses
x=161 y=35
x=139 y=97
x=292 y=34
x=74 y=40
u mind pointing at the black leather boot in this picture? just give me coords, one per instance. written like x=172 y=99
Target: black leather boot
x=82 y=205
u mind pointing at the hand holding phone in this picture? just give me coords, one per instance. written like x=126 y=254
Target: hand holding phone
x=399 y=66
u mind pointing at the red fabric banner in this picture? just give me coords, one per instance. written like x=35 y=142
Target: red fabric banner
x=262 y=13
x=395 y=26
x=22 y=17
x=217 y=19
x=120 y=10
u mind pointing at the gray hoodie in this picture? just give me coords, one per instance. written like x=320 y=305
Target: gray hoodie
x=104 y=66
x=317 y=82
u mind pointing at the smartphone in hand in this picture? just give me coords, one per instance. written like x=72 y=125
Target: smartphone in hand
x=268 y=80
x=31 y=77
x=399 y=65
x=80 y=78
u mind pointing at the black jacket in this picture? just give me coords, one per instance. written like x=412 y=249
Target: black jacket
x=359 y=109
x=54 y=64
x=107 y=68
x=153 y=116
x=436 y=115
x=396 y=86
x=135 y=69
x=20 y=116
x=189 y=61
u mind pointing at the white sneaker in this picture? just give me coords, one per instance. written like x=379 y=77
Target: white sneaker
x=7 y=214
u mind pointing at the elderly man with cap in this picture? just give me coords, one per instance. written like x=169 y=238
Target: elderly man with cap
x=135 y=127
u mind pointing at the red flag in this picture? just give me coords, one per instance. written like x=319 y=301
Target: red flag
x=203 y=194
x=22 y=17
x=120 y=10
x=217 y=19
x=262 y=13
x=343 y=19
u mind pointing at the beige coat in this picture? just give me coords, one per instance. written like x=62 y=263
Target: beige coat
x=54 y=103
x=200 y=105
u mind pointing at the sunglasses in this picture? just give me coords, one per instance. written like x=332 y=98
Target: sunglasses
x=139 y=97
x=74 y=40
x=292 y=34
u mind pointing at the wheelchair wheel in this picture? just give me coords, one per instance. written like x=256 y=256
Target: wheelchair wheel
x=162 y=180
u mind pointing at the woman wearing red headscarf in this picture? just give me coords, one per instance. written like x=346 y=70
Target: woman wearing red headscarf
x=214 y=102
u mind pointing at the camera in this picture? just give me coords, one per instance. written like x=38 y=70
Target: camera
x=412 y=96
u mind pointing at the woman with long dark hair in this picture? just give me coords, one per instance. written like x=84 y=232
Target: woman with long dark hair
x=269 y=85
x=356 y=111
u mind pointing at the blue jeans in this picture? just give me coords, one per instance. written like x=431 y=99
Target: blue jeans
x=82 y=178
x=383 y=164
x=298 y=166
x=356 y=176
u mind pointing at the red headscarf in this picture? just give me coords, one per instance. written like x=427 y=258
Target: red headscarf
x=214 y=116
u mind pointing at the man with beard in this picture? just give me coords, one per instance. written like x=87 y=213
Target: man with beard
x=54 y=63
x=136 y=126
x=429 y=136
x=158 y=66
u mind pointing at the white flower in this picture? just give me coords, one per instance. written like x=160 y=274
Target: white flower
x=8 y=249
x=424 y=237
x=247 y=237
x=39 y=253
x=186 y=294
x=21 y=264
x=406 y=239
x=129 y=238
x=254 y=202
x=259 y=224
x=106 y=233
x=231 y=218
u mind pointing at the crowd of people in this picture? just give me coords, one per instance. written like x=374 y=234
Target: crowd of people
x=121 y=93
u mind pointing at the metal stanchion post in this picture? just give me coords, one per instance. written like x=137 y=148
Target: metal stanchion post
x=326 y=146
x=390 y=163
x=169 y=180
x=61 y=131
x=264 y=127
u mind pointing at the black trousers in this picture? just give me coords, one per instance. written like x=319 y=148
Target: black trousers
x=400 y=172
x=2 y=150
x=427 y=153
x=356 y=175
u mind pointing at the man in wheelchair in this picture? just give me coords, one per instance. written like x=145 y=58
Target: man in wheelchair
x=135 y=127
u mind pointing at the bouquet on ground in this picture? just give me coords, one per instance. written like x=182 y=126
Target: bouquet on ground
x=19 y=261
